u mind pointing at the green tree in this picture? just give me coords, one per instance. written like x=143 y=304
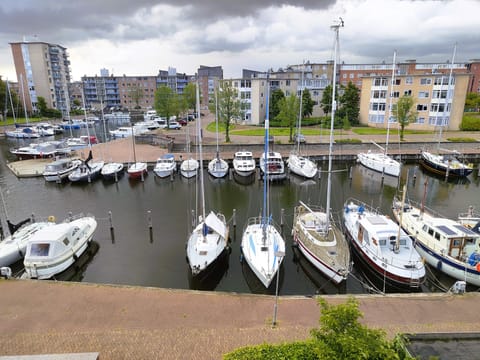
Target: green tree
x=275 y=97
x=307 y=104
x=136 y=94
x=350 y=103
x=42 y=106
x=189 y=96
x=288 y=113
x=326 y=102
x=472 y=102
x=165 y=102
x=6 y=106
x=404 y=112
x=229 y=106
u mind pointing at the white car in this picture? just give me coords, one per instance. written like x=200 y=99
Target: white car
x=174 y=125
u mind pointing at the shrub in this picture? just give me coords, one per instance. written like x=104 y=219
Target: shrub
x=470 y=123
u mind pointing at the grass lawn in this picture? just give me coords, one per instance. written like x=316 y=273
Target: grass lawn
x=378 y=131
x=22 y=121
x=260 y=131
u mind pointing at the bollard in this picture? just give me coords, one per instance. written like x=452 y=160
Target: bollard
x=149 y=219
x=234 y=217
x=116 y=176
x=112 y=232
x=282 y=212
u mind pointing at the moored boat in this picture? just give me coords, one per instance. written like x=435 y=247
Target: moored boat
x=244 y=163
x=446 y=165
x=55 y=248
x=385 y=249
x=58 y=170
x=165 y=166
x=273 y=164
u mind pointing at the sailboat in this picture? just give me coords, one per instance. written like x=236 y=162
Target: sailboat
x=189 y=167
x=88 y=170
x=23 y=132
x=208 y=241
x=217 y=167
x=298 y=164
x=138 y=169
x=446 y=164
x=381 y=161
x=319 y=239
x=110 y=170
x=263 y=247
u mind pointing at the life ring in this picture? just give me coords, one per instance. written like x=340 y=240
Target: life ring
x=478 y=267
x=51 y=218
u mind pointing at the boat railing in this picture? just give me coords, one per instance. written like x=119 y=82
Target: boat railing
x=72 y=217
x=365 y=206
x=432 y=212
x=258 y=220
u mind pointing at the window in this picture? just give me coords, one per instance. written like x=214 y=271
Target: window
x=344 y=76
x=437 y=107
x=420 y=120
x=439 y=94
x=287 y=82
x=398 y=81
x=352 y=76
x=409 y=80
x=425 y=81
x=407 y=92
x=423 y=94
x=380 y=82
x=379 y=94
x=39 y=249
x=422 y=107
x=378 y=106
x=396 y=94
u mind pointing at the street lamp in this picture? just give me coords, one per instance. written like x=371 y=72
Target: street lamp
x=279 y=255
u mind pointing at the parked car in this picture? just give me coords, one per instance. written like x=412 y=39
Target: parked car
x=299 y=138
x=182 y=122
x=174 y=125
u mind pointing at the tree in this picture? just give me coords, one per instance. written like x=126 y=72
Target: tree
x=229 y=106
x=472 y=102
x=307 y=104
x=41 y=106
x=136 y=94
x=165 y=102
x=288 y=112
x=404 y=112
x=350 y=103
x=326 y=102
x=275 y=97
x=189 y=95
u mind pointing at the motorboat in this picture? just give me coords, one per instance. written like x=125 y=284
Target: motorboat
x=112 y=170
x=137 y=170
x=150 y=115
x=81 y=142
x=165 y=166
x=13 y=247
x=22 y=133
x=385 y=249
x=446 y=165
x=53 y=249
x=301 y=166
x=58 y=170
x=444 y=243
x=127 y=131
x=41 y=150
x=380 y=162
x=73 y=124
x=244 y=163
x=263 y=247
x=470 y=219
x=189 y=168
x=44 y=129
x=274 y=166
x=217 y=167
x=148 y=124
x=87 y=171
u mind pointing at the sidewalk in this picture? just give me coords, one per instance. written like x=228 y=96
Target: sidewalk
x=123 y=322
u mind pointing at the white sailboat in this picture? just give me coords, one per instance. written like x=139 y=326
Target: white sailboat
x=297 y=163
x=189 y=167
x=217 y=167
x=263 y=247
x=208 y=241
x=138 y=169
x=381 y=161
x=319 y=239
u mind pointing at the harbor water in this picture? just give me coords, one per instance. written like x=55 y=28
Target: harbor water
x=143 y=226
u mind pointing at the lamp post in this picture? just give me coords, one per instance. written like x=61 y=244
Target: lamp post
x=279 y=255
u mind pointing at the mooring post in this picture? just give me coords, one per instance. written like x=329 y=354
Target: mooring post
x=319 y=172
x=149 y=219
x=282 y=212
x=33 y=217
x=350 y=175
x=234 y=217
x=110 y=219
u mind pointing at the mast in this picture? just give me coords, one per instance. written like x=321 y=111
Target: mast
x=200 y=152
x=24 y=102
x=216 y=119
x=265 y=165
x=86 y=122
x=390 y=114
x=11 y=103
x=447 y=95
x=300 y=111
x=335 y=28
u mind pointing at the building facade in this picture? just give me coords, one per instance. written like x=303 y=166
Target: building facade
x=208 y=78
x=43 y=69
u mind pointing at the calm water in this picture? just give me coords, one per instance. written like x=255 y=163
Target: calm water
x=137 y=255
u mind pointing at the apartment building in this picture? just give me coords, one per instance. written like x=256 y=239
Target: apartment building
x=43 y=69
x=437 y=102
x=208 y=78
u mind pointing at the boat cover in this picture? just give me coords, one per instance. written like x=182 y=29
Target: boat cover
x=216 y=224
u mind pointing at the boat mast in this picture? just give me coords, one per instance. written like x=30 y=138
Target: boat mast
x=200 y=153
x=265 y=164
x=86 y=122
x=335 y=28
x=300 y=111
x=216 y=119
x=11 y=103
x=447 y=95
x=24 y=101
x=390 y=114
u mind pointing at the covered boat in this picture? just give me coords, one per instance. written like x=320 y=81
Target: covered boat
x=272 y=163
x=55 y=248
x=445 y=165
x=58 y=170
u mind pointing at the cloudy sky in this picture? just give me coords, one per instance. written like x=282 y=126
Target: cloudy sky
x=139 y=37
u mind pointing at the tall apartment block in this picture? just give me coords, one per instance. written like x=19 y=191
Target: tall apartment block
x=43 y=69
x=208 y=77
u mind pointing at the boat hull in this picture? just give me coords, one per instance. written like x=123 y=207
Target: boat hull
x=137 y=171
x=380 y=163
x=443 y=170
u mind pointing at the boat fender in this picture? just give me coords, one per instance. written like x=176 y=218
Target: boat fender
x=20 y=253
x=75 y=257
x=478 y=267
x=439 y=265
x=51 y=218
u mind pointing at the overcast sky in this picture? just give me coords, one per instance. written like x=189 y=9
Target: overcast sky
x=139 y=37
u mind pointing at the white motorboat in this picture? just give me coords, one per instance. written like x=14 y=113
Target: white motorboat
x=445 y=244
x=244 y=163
x=41 y=150
x=44 y=129
x=445 y=164
x=13 y=247
x=55 y=248
x=384 y=248
x=22 y=133
x=301 y=165
x=380 y=162
x=209 y=240
x=58 y=170
x=263 y=247
x=165 y=166
x=87 y=171
x=275 y=166
x=189 y=168
x=127 y=131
